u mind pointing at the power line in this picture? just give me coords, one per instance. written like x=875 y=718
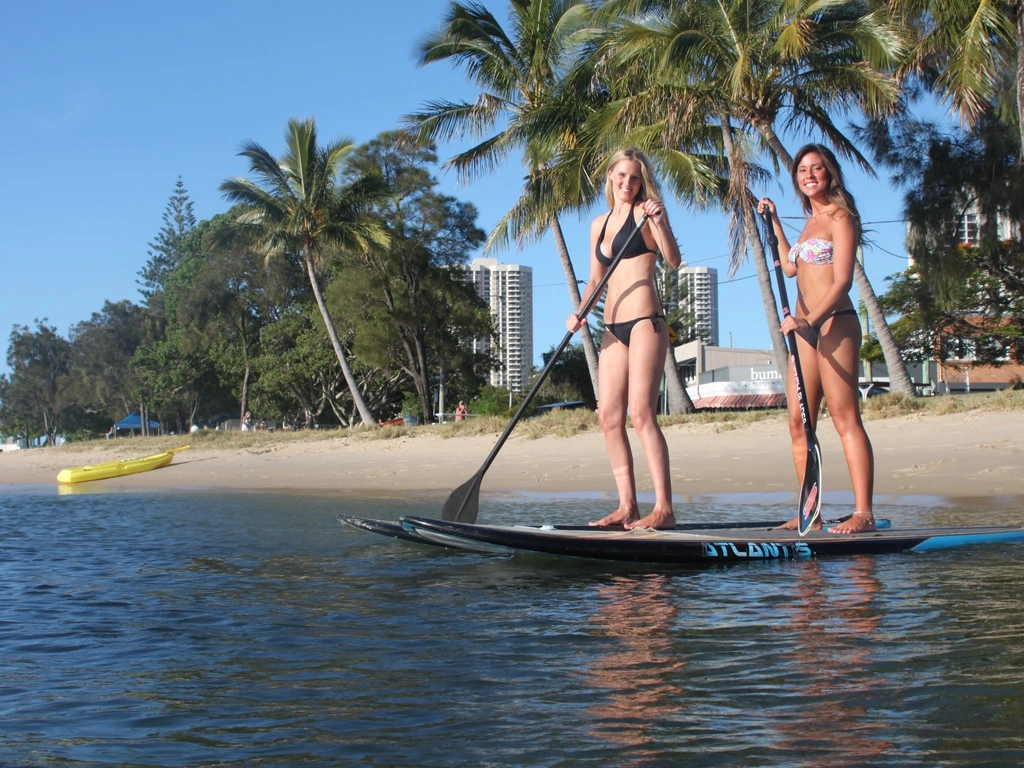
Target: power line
x=873 y=246
x=736 y=280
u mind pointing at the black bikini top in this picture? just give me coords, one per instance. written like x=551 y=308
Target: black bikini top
x=636 y=248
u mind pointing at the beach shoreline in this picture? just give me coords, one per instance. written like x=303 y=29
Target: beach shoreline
x=972 y=454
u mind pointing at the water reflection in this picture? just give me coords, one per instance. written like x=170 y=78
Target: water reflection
x=833 y=635
x=636 y=683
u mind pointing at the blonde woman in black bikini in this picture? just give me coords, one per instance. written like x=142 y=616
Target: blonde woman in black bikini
x=633 y=349
x=826 y=324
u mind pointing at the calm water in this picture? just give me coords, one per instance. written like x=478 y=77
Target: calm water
x=200 y=629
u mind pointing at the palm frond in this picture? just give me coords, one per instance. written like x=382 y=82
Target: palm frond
x=445 y=121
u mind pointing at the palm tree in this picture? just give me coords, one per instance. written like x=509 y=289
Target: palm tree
x=759 y=63
x=298 y=205
x=523 y=106
x=963 y=47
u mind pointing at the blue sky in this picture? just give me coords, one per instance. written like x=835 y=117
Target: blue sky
x=107 y=104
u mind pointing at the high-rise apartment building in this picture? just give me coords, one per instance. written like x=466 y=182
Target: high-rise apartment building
x=702 y=300
x=508 y=289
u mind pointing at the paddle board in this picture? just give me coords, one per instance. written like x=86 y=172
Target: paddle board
x=394 y=529
x=739 y=542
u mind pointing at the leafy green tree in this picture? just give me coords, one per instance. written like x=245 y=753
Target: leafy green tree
x=298 y=379
x=34 y=399
x=166 y=251
x=408 y=301
x=298 y=205
x=174 y=377
x=568 y=379
x=490 y=400
x=293 y=362
x=963 y=288
x=102 y=348
x=233 y=293
x=167 y=366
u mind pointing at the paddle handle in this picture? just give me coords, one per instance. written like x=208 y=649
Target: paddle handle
x=582 y=313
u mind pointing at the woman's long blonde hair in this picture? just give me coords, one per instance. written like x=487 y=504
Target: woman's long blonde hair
x=838 y=194
x=648 y=186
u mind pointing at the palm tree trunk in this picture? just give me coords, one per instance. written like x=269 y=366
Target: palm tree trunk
x=899 y=381
x=764 y=279
x=776 y=144
x=245 y=379
x=357 y=398
x=1020 y=77
x=675 y=388
x=245 y=389
x=589 y=347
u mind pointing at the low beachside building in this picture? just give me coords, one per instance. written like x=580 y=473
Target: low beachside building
x=730 y=378
x=965 y=376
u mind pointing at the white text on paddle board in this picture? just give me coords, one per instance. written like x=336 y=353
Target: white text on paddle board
x=728 y=550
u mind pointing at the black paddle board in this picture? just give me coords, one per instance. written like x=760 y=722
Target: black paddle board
x=695 y=544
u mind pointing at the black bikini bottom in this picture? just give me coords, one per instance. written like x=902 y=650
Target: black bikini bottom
x=830 y=315
x=622 y=331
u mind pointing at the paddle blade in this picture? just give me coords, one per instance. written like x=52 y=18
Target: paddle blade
x=810 y=494
x=463 y=505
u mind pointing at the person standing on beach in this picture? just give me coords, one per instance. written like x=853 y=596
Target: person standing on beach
x=828 y=333
x=636 y=339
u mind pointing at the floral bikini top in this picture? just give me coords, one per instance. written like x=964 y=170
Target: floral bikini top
x=814 y=250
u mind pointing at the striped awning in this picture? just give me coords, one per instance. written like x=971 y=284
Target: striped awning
x=741 y=401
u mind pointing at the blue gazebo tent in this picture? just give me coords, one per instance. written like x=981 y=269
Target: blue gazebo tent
x=134 y=421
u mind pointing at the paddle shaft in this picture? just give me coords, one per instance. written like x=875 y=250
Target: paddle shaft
x=780 y=279
x=813 y=463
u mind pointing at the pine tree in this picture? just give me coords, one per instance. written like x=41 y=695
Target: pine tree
x=165 y=252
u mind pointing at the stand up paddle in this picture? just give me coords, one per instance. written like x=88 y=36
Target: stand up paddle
x=463 y=505
x=810 y=493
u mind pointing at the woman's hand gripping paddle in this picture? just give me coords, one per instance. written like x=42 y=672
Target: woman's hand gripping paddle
x=464 y=504
x=810 y=493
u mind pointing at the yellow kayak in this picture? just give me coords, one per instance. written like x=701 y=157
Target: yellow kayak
x=117 y=468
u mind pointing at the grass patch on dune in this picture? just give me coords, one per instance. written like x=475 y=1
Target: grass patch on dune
x=897 y=405
x=723 y=421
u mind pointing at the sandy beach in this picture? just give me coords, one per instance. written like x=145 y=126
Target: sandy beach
x=974 y=454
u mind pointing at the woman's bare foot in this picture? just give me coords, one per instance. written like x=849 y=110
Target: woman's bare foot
x=794 y=525
x=658 y=520
x=858 y=522
x=618 y=517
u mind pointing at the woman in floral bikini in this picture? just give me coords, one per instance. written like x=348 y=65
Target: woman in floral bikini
x=827 y=327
